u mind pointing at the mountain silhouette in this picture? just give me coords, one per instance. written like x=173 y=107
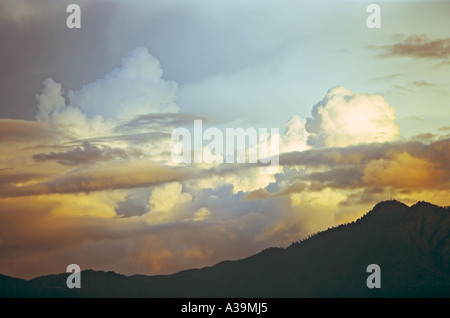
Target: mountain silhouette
x=411 y=245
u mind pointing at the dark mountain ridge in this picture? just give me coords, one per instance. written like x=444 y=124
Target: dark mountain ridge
x=410 y=244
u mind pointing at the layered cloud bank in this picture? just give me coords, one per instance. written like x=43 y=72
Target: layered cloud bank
x=91 y=181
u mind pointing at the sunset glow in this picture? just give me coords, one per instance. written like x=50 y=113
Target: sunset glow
x=86 y=172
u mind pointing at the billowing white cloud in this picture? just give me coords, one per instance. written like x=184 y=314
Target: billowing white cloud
x=345 y=118
x=52 y=110
x=296 y=136
x=136 y=88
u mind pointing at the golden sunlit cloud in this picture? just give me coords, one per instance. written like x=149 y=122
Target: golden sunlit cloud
x=125 y=175
x=404 y=171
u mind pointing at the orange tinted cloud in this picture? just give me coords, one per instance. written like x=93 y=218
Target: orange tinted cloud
x=23 y=131
x=29 y=226
x=404 y=171
x=399 y=165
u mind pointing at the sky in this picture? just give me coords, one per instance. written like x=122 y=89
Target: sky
x=87 y=175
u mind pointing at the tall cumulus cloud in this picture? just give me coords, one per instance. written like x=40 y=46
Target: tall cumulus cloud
x=133 y=89
x=344 y=118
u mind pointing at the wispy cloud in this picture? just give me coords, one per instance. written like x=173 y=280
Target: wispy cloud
x=419 y=46
x=160 y=120
x=82 y=155
x=421 y=83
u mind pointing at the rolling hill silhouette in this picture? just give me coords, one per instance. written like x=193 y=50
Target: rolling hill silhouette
x=410 y=244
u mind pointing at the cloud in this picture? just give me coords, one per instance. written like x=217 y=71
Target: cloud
x=296 y=136
x=90 y=182
x=420 y=46
x=425 y=138
x=181 y=224
x=53 y=111
x=135 y=203
x=41 y=224
x=85 y=155
x=202 y=214
x=50 y=232
x=175 y=235
x=134 y=89
x=444 y=129
x=384 y=79
x=130 y=112
x=242 y=177
x=22 y=13
x=405 y=171
x=421 y=83
x=165 y=202
x=72 y=227
x=296 y=187
x=126 y=175
x=351 y=155
x=407 y=165
x=258 y=194
x=339 y=177
x=9 y=176
x=24 y=131
x=160 y=120
x=301 y=214
x=345 y=118
x=168 y=249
